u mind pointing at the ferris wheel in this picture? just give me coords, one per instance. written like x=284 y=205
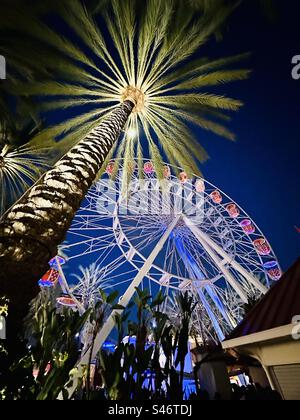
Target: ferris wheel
x=178 y=233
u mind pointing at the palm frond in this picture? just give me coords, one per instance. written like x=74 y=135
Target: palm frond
x=19 y=169
x=103 y=51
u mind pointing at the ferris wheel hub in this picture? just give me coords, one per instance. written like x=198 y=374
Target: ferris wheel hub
x=211 y=248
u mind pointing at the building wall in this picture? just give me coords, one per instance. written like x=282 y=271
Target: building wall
x=213 y=378
x=281 y=361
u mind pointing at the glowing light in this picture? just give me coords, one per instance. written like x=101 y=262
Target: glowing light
x=233 y=211
x=183 y=177
x=247 y=226
x=216 y=197
x=50 y=279
x=149 y=168
x=131 y=133
x=270 y=264
x=108 y=345
x=262 y=246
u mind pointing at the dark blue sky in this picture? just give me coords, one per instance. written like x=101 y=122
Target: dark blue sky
x=261 y=170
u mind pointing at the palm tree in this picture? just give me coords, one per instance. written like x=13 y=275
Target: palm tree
x=89 y=282
x=20 y=166
x=141 y=75
x=22 y=158
x=186 y=307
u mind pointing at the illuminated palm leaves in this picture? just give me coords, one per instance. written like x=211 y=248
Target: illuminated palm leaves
x=89 y=283
x=19 y=168
x=149 y=46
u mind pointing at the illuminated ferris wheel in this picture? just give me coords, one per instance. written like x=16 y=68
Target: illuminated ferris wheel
x=178 y=233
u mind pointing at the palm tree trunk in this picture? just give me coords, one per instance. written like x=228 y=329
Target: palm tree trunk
x=34 y=227
x=181 y=375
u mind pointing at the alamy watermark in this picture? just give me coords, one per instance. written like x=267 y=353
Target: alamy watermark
x=2 y=68
x=150 y=197
x=296 y=328
x=296 y=68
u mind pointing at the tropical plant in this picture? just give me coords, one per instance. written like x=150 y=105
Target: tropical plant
x=21 y=162
x=134 y=369
x=187 y=305
x=141 y=71
x=99 y=312
x=88 y=283
x=252 y=302
x=19 y=169
x=48 y=354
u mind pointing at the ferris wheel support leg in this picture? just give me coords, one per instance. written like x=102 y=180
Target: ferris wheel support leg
x=251 y=279
x=211 y=315
x=227 y=317
x=124 y=301
x=217 y=260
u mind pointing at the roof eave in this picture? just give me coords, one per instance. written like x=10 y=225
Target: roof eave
x=263 y=336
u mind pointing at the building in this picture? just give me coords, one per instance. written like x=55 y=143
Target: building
x=270 y=333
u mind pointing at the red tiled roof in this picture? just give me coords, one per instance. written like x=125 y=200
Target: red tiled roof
x=277 y=307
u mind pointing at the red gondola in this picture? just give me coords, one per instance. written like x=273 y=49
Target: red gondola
x=262 y=246
x=216 y=197
x=110 y=168
x=273 y=270
x=233 y=211
x=67 y=301
x=50 y=279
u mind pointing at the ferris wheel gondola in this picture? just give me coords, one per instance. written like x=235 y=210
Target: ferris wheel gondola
x=180 y=233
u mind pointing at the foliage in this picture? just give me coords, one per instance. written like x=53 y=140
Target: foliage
x=21 y=161
x=19 y=169
x=187 y=306
x=134 y=370
x=52 y=350
x=80 y=57
x=88 y=283
x=97 y=55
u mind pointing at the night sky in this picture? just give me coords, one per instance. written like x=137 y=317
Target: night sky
x=261 y=170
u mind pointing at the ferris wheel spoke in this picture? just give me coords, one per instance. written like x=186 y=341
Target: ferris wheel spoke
x=217 y=260
x=211 y=315
x=90 y=248
x=210 y=245
x=104 y=257
x=85 y=240
x=118 y=233
x=201 y=258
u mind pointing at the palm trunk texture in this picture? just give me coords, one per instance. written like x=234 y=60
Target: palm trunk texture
x=34 y=227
